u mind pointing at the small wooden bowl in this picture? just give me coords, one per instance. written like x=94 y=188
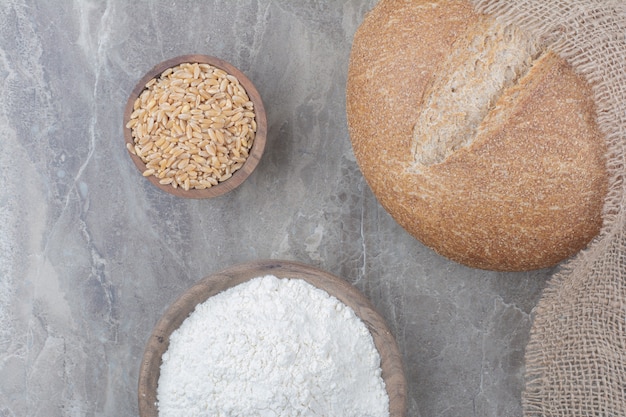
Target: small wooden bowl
x=257 y=146
x=391 y=360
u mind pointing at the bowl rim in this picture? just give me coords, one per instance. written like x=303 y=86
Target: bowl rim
x=258 y=144
x=384 y=341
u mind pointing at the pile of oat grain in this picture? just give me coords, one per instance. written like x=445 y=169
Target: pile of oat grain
x=193 y=126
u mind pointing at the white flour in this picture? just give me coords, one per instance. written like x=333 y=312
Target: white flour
x=272 y=347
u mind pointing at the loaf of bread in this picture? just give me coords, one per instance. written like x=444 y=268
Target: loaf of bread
x=479 y=141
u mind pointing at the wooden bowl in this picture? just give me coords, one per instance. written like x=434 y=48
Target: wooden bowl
x=255 y=152
x=391 y=361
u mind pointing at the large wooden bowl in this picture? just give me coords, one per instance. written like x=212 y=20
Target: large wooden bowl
x=255 y=152
x=391 y=361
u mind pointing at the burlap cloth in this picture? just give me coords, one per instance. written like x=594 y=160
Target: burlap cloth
x=576 y=356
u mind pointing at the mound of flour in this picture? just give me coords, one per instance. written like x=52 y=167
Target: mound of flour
x=272 y=347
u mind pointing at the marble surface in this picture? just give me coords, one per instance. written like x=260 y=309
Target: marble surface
x=92 y=254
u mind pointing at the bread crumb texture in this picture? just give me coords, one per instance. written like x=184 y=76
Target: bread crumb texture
x=479 y=142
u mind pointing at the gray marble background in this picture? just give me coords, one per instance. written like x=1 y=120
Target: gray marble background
x=91 y=253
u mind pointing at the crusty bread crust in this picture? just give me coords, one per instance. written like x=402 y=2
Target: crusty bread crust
x=525 y=192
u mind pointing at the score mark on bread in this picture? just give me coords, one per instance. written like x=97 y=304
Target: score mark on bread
x=485 y=61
